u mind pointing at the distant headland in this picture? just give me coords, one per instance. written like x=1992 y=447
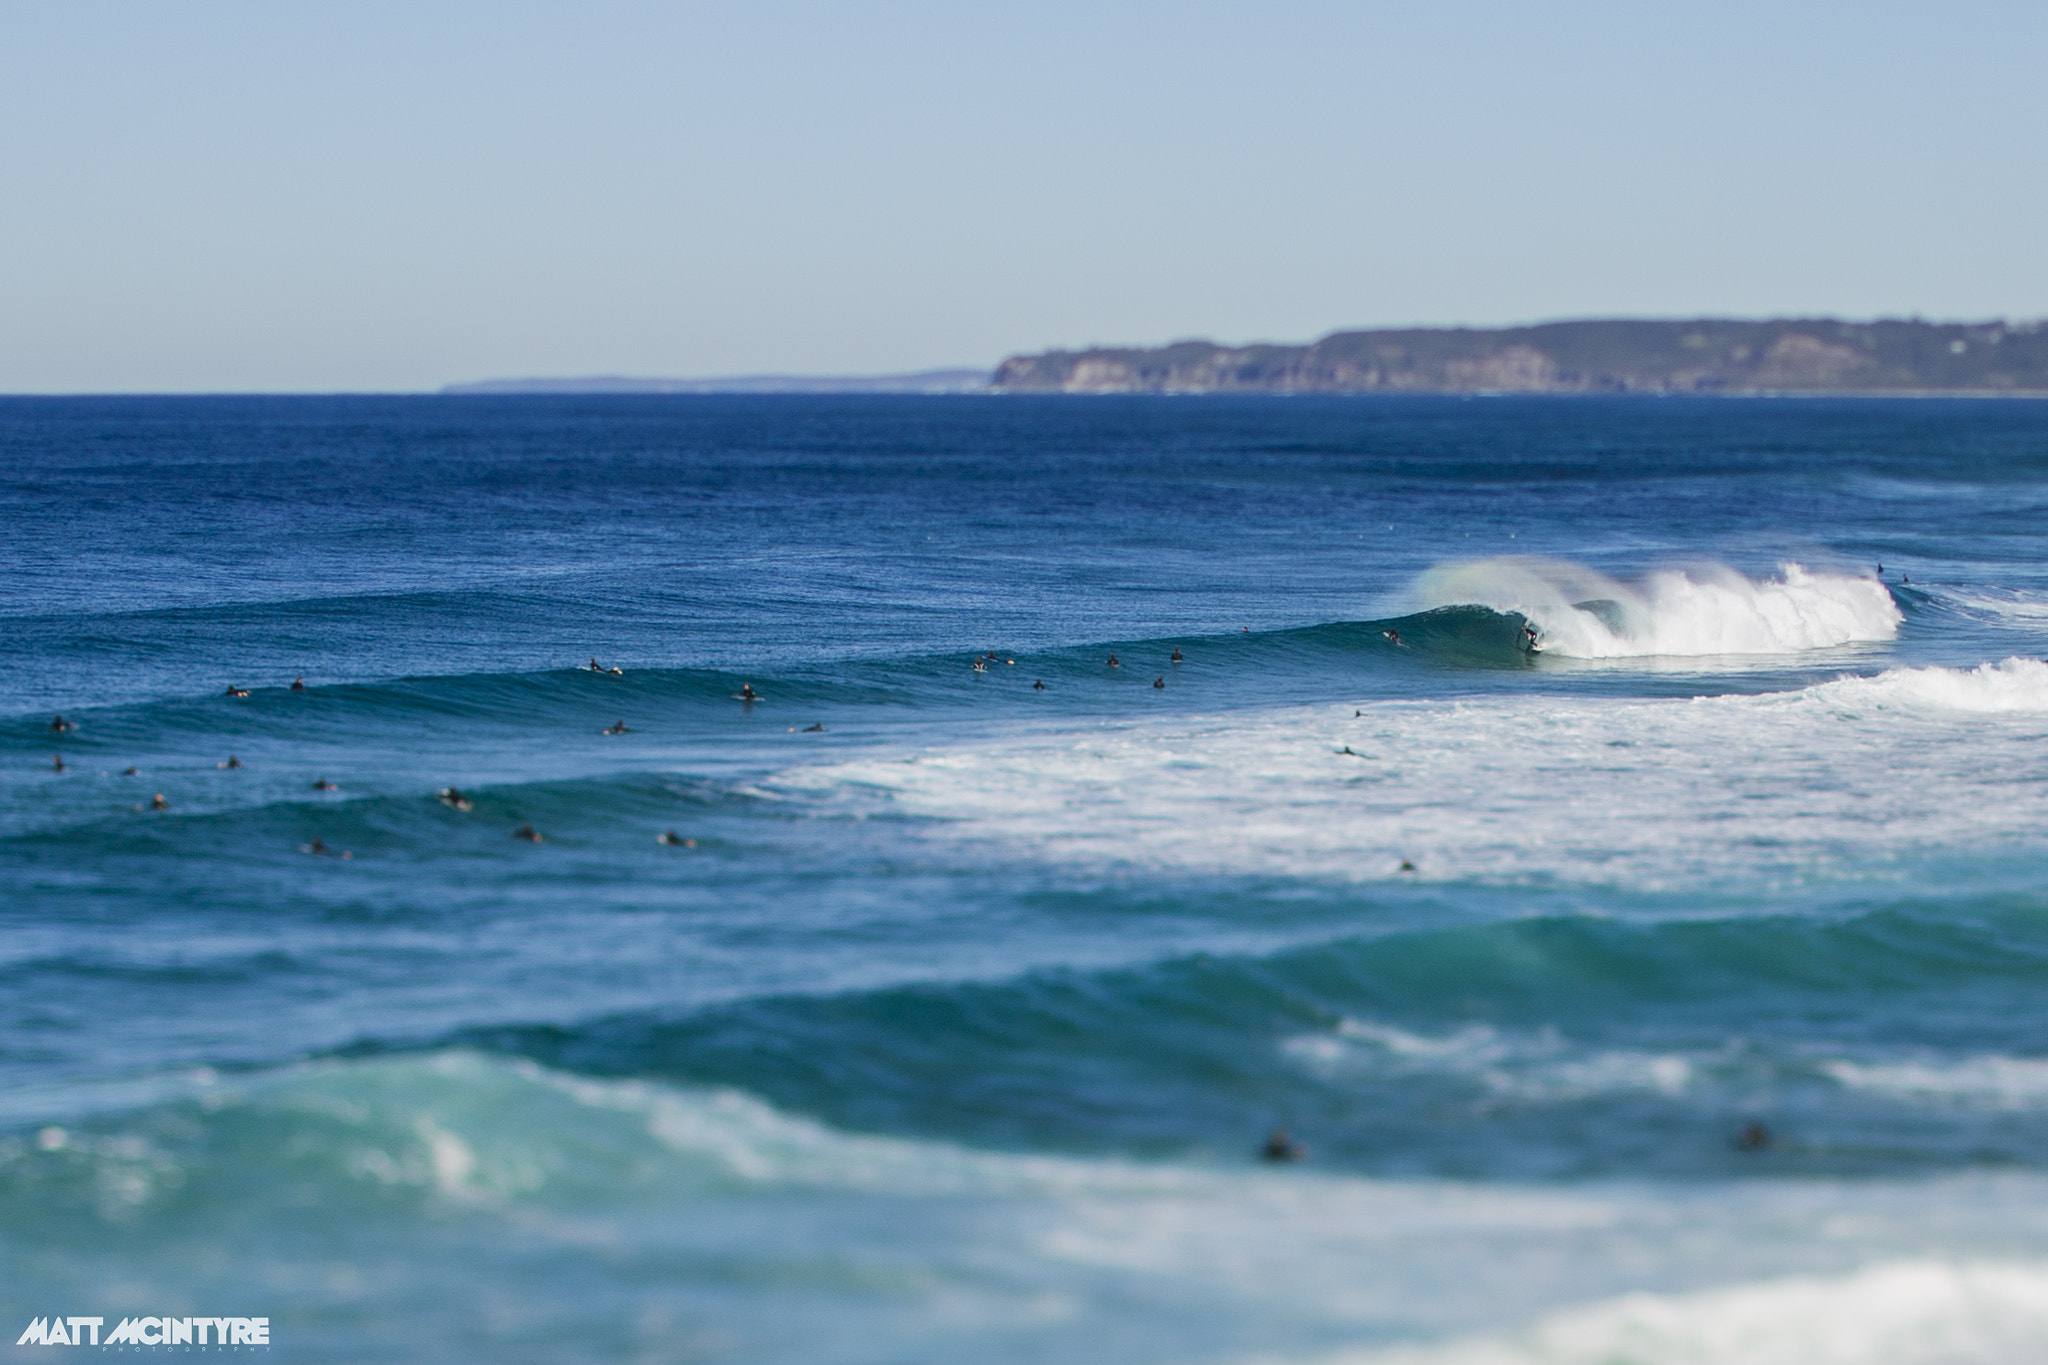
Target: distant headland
x=1704 y=355
x=1785 y=355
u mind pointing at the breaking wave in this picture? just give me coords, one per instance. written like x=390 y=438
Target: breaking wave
x=533 y=1174
x=1652 y=794
x=2011 y=687
x=1696 y=611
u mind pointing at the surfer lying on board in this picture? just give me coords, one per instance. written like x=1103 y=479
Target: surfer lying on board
x=1393 y=637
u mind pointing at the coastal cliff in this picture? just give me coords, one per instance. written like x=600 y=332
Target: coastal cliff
x=1794 y=355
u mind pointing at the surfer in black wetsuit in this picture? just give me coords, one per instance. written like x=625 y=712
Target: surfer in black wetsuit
x=671 y=837
x=528 y=833
x=323 y=785
x=298 y=684
x=1178 y=657
x=449 y=796
x=1393 y=637
x=618 y=729
x=1114 y=662
x=1280 y=1146
x=231 y=762
x=60 y=725
x=157 y=802
x=747 y=692
x=817 y=729
x=57 y=763
x=1038 y=684
x=234 y=691
x=1159 y=681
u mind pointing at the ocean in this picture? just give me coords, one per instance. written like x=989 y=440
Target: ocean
x=1630 y=901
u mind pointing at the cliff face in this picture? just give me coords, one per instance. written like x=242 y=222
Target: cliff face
x=1780 y=356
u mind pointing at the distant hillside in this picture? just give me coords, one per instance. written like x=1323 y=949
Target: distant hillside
x=1788 y=355
x=924 y=381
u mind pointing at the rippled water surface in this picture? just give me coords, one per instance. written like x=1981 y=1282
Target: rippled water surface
x=1631 y=898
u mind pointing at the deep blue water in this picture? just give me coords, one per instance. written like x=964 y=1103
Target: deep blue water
x=953 y=1028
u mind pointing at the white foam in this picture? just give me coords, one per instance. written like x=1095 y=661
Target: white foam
x=2013 y=686
x=1545 y=1066
x=1695 y=611
x=1915 y=1312
x=1539 y=1065
x=1851 y=778
x=1989 y=1081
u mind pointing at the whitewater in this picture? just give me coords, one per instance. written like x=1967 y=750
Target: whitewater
x=1607 y=836
x=1677 y=612
x=1703 y=794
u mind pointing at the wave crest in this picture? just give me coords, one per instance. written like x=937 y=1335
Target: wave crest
x=2013 y=686
x=1695 y=611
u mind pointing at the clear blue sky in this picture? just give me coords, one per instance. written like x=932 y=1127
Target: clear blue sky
x=393 y=196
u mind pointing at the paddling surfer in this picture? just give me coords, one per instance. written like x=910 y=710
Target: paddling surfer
x=1280 y=1146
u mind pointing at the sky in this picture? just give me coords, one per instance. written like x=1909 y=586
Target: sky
x=367 y=196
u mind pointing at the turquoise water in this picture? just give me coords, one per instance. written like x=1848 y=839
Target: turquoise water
x=1630 y=898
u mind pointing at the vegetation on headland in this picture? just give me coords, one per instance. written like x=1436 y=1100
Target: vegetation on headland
x=1788 y=355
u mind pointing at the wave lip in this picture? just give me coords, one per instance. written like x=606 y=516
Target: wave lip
x=1697 y=611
